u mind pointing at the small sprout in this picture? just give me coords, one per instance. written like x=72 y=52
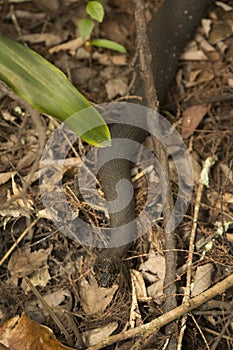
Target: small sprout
x=95 y=10
x=86 y=26
x=109 y=44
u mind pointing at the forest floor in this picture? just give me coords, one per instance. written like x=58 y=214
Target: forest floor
x=47 y=275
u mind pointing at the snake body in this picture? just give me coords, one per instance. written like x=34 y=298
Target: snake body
x=170 y=29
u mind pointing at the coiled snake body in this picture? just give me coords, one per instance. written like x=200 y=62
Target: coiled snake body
x=170 y=29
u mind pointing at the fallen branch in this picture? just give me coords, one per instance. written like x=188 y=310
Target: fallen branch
x=154 y=326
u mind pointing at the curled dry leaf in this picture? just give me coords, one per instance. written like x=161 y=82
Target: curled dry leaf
x=192 y=116
x=20 y=206
x=50 y=39
x=22 y=333
x=203 y=278
x=220 y=32
x=154 y=270
x=24 y=262
x=96 y=335
x=199 y=76
x=93 y=298
x=115 y=87
x=197 y=55
x=4 y=177
x=70 y=46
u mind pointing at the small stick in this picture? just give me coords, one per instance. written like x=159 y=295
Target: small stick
x=153 y=326
x=25 y=232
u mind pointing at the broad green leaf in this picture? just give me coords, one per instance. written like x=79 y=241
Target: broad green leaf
x=108 y=44
x=95 y=10
x=46 y=88
x=86 y=26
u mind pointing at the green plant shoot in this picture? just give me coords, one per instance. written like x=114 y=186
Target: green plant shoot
x=48 y=90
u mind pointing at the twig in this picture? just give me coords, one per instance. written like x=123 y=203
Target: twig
x=25 y=232
x=160 y=151
x=155 y=325
x=203 y=181
x=48 y=309
x=200 y=331
x=219 y=337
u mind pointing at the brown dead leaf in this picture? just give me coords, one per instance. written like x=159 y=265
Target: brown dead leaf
x=139 y=284
x=198 y=76
x=114 y=30
x=219 y=32
x=230 y=82
x=22 y=333
x=229 y=237
x=154 y=266
x=96 y=335
x=4 y=177
x=50 y=39
x=192 y=116
x=23 y=262
x=40 y=278
x=115 y=87
x=117 y=60
x=20 y=206
x=28 y=158
x=154 y=270
x=93 y=298
x=197 y=55
x=70 y=46
x=202 y=279
x=196 y=166
x=227 y=171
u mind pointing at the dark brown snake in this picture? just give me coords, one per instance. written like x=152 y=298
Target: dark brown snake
x=170 y=29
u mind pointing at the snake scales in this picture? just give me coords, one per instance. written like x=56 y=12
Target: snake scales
x=170 y=29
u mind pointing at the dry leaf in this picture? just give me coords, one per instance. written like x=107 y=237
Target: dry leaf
x=4 y=177
x=196 y=166
x=117 y=60
x=115 y=87
x=98 y=334
x=139 y=285
x=39 y=278
x=138 y=293
x=22 y=333
x=197 y=55
x=154 y=270
x=229 y=237
x=227 y=171
x=70 y=46
x=198 y=76
x=202 y=278
x=192 y=116
x=50 y=39
x=155 y=264
x=94 y=298
x=219 y=32
x=28 y=158
x=23 y=262
x=20 y=206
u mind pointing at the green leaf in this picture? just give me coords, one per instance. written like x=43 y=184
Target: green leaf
x=95 y=10
x=46 y=88
x=86 y=26
x=108 y=44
